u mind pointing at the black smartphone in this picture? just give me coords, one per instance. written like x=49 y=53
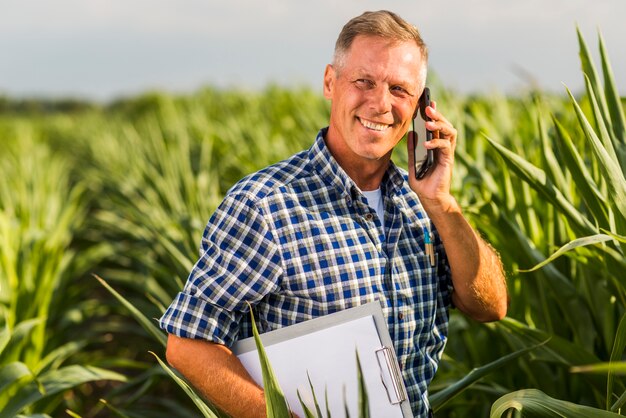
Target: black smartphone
x=423 y=158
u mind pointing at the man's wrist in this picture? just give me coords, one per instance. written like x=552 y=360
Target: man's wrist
x=441 y=207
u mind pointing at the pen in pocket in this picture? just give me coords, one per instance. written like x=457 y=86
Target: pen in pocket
x=430 y=251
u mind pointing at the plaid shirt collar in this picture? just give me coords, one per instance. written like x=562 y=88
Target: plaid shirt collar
x=334 y=175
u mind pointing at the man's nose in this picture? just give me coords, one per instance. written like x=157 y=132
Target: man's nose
x=380 y=100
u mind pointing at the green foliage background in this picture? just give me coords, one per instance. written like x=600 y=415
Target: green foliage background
x=124 y=190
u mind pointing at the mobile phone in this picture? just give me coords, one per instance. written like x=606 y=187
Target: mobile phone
x=423 y=158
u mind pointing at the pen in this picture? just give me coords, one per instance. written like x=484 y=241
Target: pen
x=430 y=251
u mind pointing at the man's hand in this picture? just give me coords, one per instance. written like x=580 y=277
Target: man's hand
x=434 y=189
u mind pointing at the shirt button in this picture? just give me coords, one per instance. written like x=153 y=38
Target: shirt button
x=369 y=217
x=400 y=316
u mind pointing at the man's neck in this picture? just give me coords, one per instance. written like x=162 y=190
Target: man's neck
x=366 y=174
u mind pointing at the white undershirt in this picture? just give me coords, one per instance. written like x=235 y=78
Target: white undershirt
x=375 y=200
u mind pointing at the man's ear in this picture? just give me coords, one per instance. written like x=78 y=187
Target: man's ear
x=329 y=81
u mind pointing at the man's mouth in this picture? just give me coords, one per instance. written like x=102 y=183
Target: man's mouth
x=373 y=125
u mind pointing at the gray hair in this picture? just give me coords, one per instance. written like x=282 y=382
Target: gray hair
x=384 y=24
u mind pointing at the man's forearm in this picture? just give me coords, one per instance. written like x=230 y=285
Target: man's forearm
x=218 y=375
x=479 y=284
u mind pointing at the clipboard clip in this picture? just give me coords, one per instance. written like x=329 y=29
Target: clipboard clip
x=391 y=376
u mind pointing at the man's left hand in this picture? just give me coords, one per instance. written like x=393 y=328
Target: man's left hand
x=434 y=188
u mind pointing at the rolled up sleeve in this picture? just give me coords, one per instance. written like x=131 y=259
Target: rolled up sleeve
x=239 y=264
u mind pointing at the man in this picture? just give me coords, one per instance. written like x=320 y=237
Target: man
x=337 y=226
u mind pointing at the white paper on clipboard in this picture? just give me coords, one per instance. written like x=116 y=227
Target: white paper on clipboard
x=324 y=350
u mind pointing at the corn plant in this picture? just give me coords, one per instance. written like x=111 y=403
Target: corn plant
x=582 y=185
x=25 y=390
x=40 y=210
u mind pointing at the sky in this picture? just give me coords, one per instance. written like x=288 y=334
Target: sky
x=106 y=49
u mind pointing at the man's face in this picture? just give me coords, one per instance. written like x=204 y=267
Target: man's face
x=374 y=95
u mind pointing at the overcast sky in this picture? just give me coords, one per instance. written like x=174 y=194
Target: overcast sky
x=102 y=49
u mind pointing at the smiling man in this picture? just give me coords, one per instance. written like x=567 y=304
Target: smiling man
x=337 y=226
x=374 y=87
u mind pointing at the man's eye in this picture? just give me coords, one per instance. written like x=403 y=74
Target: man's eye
x=399 y=90
x=363 y=83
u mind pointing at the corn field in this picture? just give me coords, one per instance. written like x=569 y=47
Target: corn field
x=102 y=208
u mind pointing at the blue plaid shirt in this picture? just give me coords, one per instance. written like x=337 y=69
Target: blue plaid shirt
x=298 y=240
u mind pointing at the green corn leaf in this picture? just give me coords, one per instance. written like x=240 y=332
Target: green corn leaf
x=555 y=350
x=318 y=409
x=611 y=368
x=276 y=404
x=616 y=354
x=614 y=102
x=579 y=242
x=617 y=237
x=484 y=177
x=307 y=411
x=605 y=154
x=176 y=253
x=197 y=400
x=440 y=398
x=146 y=323
x=619 y=403
x=328 y=415
x=553 y=166
x=364 y=406
x=12 y=373
x=581 y=176
x=538 y=180
x=534 y=403
x=602 y=132
x=618 y=367
x=570 y=301
x=5 y=337
x=18 y=338
x=56 y=357
x=593 y=87
x=55 y=382
x=113 y=410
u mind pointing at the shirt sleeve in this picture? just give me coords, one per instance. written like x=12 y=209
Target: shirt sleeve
x=239 y=264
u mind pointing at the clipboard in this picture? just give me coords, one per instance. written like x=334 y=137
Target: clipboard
x=324 y=350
